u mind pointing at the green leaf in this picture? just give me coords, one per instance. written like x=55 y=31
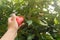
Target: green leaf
x=56 y=21
x=44 y=24
x=46 y=36
x=29 y=22
x=30 y=37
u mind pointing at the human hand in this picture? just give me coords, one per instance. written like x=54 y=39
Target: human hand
x=12 y=23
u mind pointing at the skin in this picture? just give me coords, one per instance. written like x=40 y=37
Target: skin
x=12 y=29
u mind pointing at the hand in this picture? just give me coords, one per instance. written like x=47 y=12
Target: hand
x=12 y=23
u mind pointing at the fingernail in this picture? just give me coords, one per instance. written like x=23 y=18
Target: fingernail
x=13 y=14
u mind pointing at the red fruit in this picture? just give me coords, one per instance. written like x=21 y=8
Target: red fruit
x=19 y=20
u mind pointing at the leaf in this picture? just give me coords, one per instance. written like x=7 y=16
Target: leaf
x=29 y=22
x=46 y=36
x=56 y=21
x=21 y=0
x=44 y=24
x=30 y=37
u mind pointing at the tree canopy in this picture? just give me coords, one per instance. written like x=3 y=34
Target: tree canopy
x=42 y=18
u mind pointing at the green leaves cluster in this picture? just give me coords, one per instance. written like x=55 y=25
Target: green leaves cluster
x=40 y=22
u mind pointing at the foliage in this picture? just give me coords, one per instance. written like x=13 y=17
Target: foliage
x=42 y=18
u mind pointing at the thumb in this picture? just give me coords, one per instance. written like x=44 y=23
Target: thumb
x=13 y=17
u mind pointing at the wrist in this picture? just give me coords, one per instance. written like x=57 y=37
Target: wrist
x=12 y=30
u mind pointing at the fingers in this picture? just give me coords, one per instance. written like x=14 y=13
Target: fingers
x=21 y=25
x=9 y=19
x=13 y=17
